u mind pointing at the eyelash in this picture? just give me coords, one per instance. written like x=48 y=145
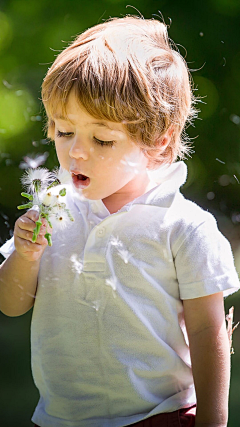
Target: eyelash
x=102 y=143
x=63 y=134
x=96 y=140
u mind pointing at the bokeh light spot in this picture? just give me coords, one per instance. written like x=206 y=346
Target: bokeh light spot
x=5 y=31
x=226 y=7
x=14 y=114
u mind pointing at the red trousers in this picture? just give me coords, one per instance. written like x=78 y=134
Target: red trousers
x=180 y=418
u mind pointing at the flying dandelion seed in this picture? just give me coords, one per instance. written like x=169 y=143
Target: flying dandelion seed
x=33 y=161
x=114 y=241
x=125 y=255
x=236 y=179
x=112 y=282
x=7 y=85
x=95 y=305
x=235 y=119
x=220 y=161
x=77 y=265
x=35 y=143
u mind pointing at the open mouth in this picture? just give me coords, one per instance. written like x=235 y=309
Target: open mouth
x=81 y=177
x=80 y=181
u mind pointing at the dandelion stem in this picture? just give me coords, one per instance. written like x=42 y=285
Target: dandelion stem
x=49 y=238
x=28 y=196
x=26 y=206
x=54 y=183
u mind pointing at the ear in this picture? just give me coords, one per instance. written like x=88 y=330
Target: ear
x=165 y=139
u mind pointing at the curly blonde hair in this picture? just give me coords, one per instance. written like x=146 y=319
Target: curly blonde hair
x=126 y=70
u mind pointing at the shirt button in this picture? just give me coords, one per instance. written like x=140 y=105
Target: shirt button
x=101 y=232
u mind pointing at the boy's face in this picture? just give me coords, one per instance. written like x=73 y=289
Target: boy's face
x=100 y=156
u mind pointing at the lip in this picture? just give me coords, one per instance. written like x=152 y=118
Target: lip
x=78 y=183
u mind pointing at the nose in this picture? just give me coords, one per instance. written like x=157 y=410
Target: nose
x=78 y=150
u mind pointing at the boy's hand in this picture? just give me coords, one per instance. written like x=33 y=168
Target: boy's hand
x=23 y=233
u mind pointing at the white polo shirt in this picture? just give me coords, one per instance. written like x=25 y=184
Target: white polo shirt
x=109 y=344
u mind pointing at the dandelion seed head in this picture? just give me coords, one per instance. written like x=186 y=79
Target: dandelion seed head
x=63 y=175
x=39 y=176
x=49 y=199
x=60 y=220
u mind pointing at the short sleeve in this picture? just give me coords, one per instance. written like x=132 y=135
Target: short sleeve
x=7 y=249
x=204 y=262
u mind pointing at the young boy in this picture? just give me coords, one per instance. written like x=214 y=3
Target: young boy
x=128 y=318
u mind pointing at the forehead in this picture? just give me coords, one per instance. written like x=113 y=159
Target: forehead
x=75 y=114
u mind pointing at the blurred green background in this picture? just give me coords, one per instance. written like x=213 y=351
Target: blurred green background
x=31 y=34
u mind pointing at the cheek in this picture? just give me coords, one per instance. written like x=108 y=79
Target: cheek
x=62 y=154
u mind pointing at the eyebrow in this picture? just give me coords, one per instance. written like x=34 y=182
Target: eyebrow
x=60 y=117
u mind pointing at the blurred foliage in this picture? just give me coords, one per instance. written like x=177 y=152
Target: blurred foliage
x=32 y=33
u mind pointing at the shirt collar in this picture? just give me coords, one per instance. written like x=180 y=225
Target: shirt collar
x=169 y=178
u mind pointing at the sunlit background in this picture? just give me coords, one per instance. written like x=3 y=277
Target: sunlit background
x=31 y=35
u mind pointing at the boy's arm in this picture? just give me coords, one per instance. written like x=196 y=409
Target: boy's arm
x=19 y=273
x=18 y=284
x=210 y=355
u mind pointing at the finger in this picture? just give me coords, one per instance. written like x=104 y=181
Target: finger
x=25 y=223
x=28 y=235
x=32 y=214
x=24 y=246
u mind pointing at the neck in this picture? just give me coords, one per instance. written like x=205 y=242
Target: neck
x=116 y=201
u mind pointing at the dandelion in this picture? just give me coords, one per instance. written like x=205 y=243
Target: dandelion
x=35 y=180
x=48 y=199
x=47 y=195
x=61 y=219
x=63 y=175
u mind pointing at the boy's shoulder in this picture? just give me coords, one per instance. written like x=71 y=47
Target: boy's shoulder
x=188 y=211
x=186 y=216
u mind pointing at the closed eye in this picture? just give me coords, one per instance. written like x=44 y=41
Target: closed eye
x=102 y=143
x=63 y=134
